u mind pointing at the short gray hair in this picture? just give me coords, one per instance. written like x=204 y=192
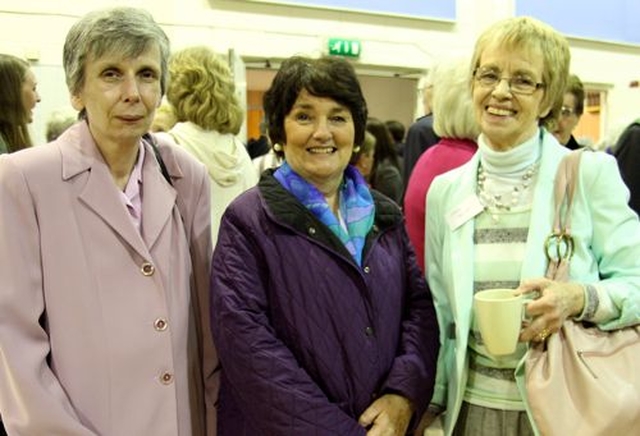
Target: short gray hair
x=453 y=111
x=121 y=30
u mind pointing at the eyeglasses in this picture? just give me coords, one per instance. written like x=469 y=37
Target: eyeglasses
x=566 y=111
x=517 y=84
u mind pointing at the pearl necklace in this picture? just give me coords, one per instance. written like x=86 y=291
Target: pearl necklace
x=499 y=201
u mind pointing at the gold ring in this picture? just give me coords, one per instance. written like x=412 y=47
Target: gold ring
x=543 y=335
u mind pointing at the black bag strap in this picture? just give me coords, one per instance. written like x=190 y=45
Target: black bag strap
x=156 y=151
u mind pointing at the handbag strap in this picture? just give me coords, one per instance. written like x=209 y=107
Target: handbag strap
x=559 y=245
x=564 y=190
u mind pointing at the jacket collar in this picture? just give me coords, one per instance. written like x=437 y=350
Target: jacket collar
x=287 y=210
x=80 y=155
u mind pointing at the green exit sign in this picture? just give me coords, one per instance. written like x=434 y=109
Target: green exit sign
x=345 y=47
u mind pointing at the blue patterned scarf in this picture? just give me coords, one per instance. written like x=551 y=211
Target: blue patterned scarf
x=356 y=206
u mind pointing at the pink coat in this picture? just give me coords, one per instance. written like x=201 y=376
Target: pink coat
x=445 y=155
x=103 y=331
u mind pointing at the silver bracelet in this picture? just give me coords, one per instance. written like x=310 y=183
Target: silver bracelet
x=591 y=303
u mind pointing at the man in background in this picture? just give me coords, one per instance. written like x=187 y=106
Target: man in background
x=420 y=135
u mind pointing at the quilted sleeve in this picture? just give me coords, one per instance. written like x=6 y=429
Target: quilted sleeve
x=414 y=369
x=274 y=392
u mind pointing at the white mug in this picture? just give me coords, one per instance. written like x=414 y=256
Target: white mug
x=499 y=316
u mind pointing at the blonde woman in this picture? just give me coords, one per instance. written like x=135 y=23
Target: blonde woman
x=202 y=93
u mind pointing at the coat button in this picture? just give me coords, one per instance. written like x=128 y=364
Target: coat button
x=366 y=270
x=368 y=331
x=147 y=269
x=166 y=378
x=160 y=324
x=312 y=231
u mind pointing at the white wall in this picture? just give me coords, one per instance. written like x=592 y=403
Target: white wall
x=259 y=31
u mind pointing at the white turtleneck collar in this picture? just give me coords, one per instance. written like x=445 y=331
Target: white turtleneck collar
x=511 y=162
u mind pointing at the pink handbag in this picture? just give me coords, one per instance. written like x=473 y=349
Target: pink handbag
x=582 y=380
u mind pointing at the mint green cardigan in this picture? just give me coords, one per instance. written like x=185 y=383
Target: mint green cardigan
x=3 y=145
x=607 y=252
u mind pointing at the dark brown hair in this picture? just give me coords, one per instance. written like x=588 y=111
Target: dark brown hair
x=13 y=117
x=327 y=77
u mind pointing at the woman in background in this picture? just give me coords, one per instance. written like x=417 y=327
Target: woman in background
x=455 y=125
x=203 y=95
x=59 y=120
x=386 y=176
x=18 y=98
x=323 y=321
x=365 y=155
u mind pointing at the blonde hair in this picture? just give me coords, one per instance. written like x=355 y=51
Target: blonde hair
x=164 y=119
x=201 y=90
x=526 y=33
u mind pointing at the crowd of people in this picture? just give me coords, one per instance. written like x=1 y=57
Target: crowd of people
x=155 y=280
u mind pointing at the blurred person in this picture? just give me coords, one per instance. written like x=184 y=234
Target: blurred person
x=420 y=135
x=202 y=92
x=364 y=156
x=627 y=153
x=386 y=176
x=487 y=222
x=455 y=124
x=267 y=161
x=397 y=130
x=164 y=119
x=18 y=98
x=59 y=121
x=260 y=146
x=323 y=320
x=570 y=113
x=104 y=261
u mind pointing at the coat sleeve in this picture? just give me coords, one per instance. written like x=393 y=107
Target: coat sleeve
x=413 y=371
x=32 y=400
x=615 y=243
x=389 y=182
x=201 y=253
x=275 y=394
x=435 y=222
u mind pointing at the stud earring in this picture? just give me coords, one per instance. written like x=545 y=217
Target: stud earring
x=356 y=149
x=277 y=147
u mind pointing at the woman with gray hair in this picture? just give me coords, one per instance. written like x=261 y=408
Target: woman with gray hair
x=455 y=125
x=105 y=255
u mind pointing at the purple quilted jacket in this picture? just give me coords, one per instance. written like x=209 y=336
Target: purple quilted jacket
x=307 y=339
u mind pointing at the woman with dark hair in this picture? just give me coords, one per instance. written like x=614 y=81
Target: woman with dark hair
x=17 y=100
x=322 y=319
x=386 y=176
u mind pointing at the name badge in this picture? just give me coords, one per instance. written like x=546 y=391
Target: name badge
x=465 y=211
